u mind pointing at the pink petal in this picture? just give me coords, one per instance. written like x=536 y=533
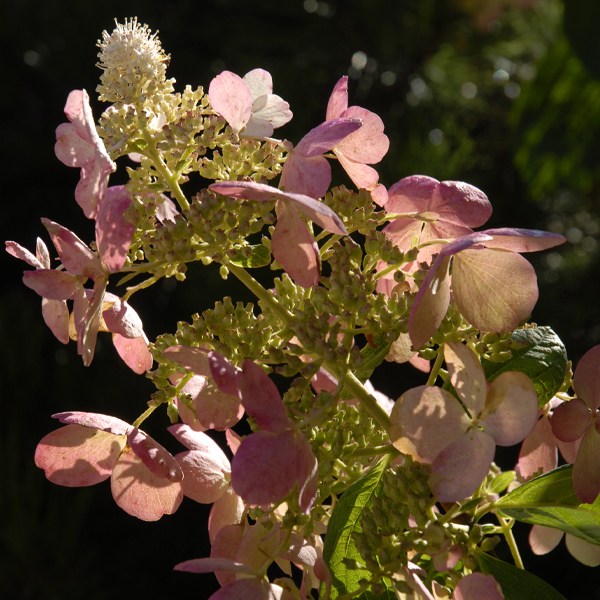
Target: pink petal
x=308 y=176
x=96 y=421
x=92 y=185
x=77 y=456
x=18 y=251
x=494 y=290
x=586 y=553
x=139 y=492
x=425 y=420
x=522 y=240
x=467 y=377
x=461 y=466
x=200 y=442
x=431 y=303
x=217 y=410
x=203 y=476
x=511 y=409
x=544 y=539
x=379 y=195
x=261 y=471
x=115 y=227
x=261 y=399
x=586 y=474
x=363 y=176
x=462 y=204
x=70 y=149
x=403 y=231
x=41 y=253
x=209 y=565
x=252 y=589
x=367 y=145
x=257 y=127
x=259 y=82
x=186 y=414
x=448 y=559
x=295 y=249
x=227 y=510
x=257 y=545
x=538 y=453
x=56 y=316
x=166 y=210
x=78 y=111
x=570 y=420
x=134 y=352
x=586 y=381
x=315 y=210
x=89 y=326
x=569 y=450
x=268 y=113
x=324 y=137
x=77 y=258
x=233 y=440
x=478 y=586
x=120 y=318
x=230 y=97
x=338 y=101
x=223 y=372
x=225 y=545
x=412 y=194
x=54 y=285
x=300 y=552
x=155 y=457
x=194 y=359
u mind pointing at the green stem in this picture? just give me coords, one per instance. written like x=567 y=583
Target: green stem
x=506 y=526
x=361 y=393
x=436 y=366
x=261 y=293
x=376 y=451
x=144 y=416
x=164 y=171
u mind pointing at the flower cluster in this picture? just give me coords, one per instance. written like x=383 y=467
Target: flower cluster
x=346 y=490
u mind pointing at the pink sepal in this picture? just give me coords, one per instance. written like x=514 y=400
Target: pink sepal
x=261 y=399
x=544 y=539
x=157 y=459
x=223 y=372
x=51 y=284
x=56 y=316
x=460 y=467
x=295 y=249
x=76 y=257
x=570 y=420
x=366 y=145
x=78 y=456
x=478 y=586
x=120 y=318
x=522 y=240
x=325 y=136
x=194 y=359
x=586 y=381
x=209 y=565
x=338 y=101
x=203 y=476
x=225 y=545
x=227 y=510
x=538 y=453
x=315 y=210
x=230 y=97
x=308 y=176
x=134 y=352
x=95 y=420
x=18 y=251
x=114 y=228
x=141 y=493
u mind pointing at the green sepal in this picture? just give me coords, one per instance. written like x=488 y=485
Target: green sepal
x=550 y=500
x=543 y=359
x=259 y=257
x=339 y=547
x=516 y=584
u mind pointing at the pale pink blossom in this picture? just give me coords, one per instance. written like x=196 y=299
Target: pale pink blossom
x=79 y=145
x=544 y=539
x=428 y=423
x=248 y=104
x=207 y=475
x=478 y=586
x=364 y=147
x=145 y=478
x=579 y=419
x=493 y=287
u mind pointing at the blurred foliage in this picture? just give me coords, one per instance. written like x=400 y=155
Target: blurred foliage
x=503 y=94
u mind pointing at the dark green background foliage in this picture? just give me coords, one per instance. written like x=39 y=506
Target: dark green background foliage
x=528 y=138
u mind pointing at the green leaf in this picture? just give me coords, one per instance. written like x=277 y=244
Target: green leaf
x=516 y=584
x=501 y=482
x=550 y=500
x=543 y=359
x=251 y=257
x=339 y=544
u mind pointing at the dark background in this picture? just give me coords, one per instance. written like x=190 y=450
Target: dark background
x=528 y=138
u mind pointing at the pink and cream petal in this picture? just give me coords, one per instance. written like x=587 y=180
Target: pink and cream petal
x=544 y=539
x=460 y=467
x=295 y=249
x=478 y=586
x=139 y=492
x=570 y=420
x=78 y=456
x=538 y=453
x=511 y=409
x=494 y=290
x=227 y=510
x=230 y=97
x=424 y=420
x=586 y=381
x=586 y=553
x=586 y=474
x=134 y=352
x=157 y=459
x=467 y=377
x=338 y=101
